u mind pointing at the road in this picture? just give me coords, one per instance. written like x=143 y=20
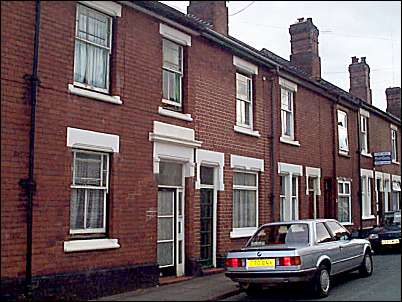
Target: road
x=383 y=285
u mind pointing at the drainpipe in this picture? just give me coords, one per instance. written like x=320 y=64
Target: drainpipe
x=359 y=168
x=29 y=183
x=273 y=140
x=335 y=155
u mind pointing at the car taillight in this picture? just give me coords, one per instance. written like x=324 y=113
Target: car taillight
x=233 y=262
x=288 y=261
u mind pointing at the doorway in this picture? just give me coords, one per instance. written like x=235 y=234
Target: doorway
x=208 y=196
x=328 y=204
x=170 y=222
x=313 y=197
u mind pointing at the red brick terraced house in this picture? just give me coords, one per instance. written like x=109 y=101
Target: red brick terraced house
x=139 y=142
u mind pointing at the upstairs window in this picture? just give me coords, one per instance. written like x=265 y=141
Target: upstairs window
x=287 y=113
x=89 y=187
x=244 y=101
x=172 y=74
x=93 y=43
x=363 y=134
x=343 y=131
x=394 y=145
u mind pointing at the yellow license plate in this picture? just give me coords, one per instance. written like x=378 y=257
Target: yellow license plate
x=261 y=263
x=393 y=241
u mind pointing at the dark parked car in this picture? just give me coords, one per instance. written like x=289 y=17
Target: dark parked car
x=388 y=236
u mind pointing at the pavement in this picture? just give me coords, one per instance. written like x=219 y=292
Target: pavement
x=207 y=288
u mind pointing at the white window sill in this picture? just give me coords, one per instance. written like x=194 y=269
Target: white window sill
x=94 y=95
x=347 y=223
x=178 y=115
x=241 y=233
x=368 y=217
x=366 y=154
x=90 y=245
x=289 y=141
x=395 y=162
x=246 y=131
x=344 y=153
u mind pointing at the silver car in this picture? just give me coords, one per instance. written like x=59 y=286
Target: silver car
x=298 y=251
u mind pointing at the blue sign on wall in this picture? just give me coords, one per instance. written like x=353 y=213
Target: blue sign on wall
x=382 y=158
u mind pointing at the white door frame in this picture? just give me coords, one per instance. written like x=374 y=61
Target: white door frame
x=214 y=187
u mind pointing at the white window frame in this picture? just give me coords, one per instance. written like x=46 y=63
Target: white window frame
x=181 y=75
x=394 y=145
x=109 y=48
x=240 y=101
x=246 y=231
x=293 y=207
x=343 y=129
x=366 y=197
x=87 y=187
x=364 y=146
x=285 y=111
x=344 y=182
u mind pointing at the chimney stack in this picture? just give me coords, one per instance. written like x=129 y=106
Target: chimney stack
x=214 y=12
x=394 y=101
x=304 y=47
x=360 y=79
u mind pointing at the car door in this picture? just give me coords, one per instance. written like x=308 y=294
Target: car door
x=327 y=246
x=351 y=250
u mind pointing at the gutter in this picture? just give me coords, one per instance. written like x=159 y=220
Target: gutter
x=29 y=183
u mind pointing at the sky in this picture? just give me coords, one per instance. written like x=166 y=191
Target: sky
x=370 y=29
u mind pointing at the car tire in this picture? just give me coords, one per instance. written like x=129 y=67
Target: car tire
x=366 y=268
x=321 y=282
x=251 y=289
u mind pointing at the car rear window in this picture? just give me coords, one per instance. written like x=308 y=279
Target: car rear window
x=289 y=234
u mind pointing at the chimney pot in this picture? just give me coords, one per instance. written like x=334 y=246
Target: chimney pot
x=355 y=60
x=300 y=19
x=363 y=59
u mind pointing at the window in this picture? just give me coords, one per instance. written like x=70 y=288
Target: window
x=88 y=192
x=396 y=196
x=338 y=231
x=245 y=190
x=289 y=205
x=287 y=113
x=93 y=43
x=363 y=134
x=366 y=196
x=344 y=210
x=296 y=233
x=343 y=131
x=322 y=233
x=394 y=144
x=172 y=74
x=244 y=101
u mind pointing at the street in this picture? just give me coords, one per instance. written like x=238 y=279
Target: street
x=383 y=285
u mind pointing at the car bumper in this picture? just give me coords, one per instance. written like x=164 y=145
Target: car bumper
x=272 y=277
x=377 y=244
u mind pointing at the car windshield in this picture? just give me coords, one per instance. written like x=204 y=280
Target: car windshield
x=289 y=234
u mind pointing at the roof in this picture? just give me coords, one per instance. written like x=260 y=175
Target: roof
x=272 y=59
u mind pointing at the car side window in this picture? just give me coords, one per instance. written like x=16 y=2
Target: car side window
x=322 y=233
x=338 y=231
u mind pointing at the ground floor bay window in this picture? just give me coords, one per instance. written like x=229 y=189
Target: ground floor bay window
x=344 y=202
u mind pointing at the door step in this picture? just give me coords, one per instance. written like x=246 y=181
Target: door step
x=212 y=271
x=173 y=279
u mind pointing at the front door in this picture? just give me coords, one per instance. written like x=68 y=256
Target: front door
x=328 y=205
x=170 y=241
x=379 y=202
x=206 y=252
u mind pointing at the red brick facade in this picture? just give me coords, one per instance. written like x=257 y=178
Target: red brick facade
x=209 y=95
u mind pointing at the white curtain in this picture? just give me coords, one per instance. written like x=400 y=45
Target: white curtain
x=95 y=209
x=244 y=208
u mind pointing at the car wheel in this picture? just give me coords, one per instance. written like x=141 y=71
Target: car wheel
x=366 y=268
x=321 y=282
x=251 y=289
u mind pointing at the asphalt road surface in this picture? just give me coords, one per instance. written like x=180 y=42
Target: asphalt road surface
x=383 y=285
